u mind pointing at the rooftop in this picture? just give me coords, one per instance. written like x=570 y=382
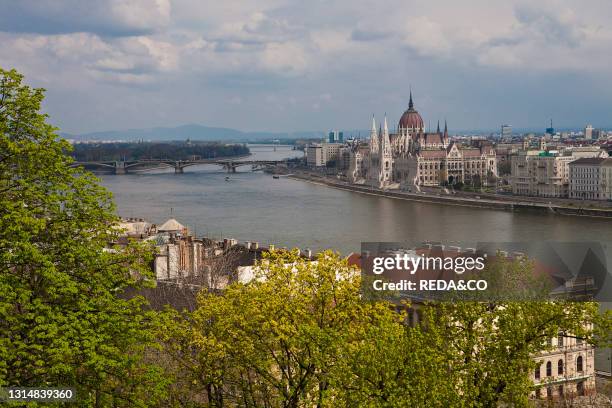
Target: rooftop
x=590 y=161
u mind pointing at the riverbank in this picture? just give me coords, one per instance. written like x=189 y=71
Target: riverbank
x=507 y=204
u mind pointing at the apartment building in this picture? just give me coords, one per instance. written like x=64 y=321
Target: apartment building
x=540 y=173
x=591 y=179
x=319 y=154
x=546 y=173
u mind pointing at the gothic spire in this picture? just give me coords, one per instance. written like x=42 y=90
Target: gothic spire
x=410 y=104
x=438 y=129
x=386 y=127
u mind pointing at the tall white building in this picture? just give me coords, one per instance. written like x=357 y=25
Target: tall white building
x=506 y=132
x=319 y=154
x=588 y=132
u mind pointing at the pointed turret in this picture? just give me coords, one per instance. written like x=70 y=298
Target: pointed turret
x=410 y=104
x=445 y=129
x=385 y=145
x=438 y=129
x=386 y=160
x=374 y=137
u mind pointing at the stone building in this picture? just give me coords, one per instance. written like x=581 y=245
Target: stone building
x=546 y=173
x=591 y=179
x=566 y=371
x=319 y=154
x=412 y=157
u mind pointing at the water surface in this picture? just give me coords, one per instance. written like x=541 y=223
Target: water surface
x=256 y=207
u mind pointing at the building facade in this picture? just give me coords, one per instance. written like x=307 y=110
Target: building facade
x=319 y=154
x=544 y=173
x=411 y=157
x=590 y=179
x=566 y=371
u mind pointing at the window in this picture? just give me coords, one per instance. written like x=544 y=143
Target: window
x=560 y=340
x=560 y=367
x=537 y=372
x=579 y=367
x=548 y=369
x=580 y=388
x=549 y=392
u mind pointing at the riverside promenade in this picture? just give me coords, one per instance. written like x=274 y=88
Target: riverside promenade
x=505 y=203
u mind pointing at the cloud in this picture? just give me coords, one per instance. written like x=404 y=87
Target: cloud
x=103 y=17
x=202 y=61
x=367 y=35
x=555 y=26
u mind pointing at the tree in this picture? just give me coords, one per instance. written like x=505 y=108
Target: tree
x=62 y=320
x=289 y=338
x=505 y=168
x=489 y=339
x=300 y=334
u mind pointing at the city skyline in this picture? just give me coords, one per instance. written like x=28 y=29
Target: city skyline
x=279 y=66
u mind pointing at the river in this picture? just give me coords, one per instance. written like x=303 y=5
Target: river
x=252 y=206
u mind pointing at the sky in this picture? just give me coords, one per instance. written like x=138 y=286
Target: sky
x=280 y=65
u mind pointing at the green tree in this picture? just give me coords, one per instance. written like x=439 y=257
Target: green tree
x=301 y=335
x=286 y=339
x=62 y=319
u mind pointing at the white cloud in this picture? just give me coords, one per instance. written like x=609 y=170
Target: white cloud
x=301 y=52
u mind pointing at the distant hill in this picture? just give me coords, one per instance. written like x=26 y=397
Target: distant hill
x=192 y=132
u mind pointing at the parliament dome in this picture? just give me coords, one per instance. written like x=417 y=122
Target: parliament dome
x=411 y=119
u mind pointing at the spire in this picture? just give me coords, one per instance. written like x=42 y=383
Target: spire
x=438 y=129
x=373 y=137
x=385 y=144
x=445 y=129
x=410 y=104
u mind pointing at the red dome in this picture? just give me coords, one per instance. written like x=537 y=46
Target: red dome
x=411 y=118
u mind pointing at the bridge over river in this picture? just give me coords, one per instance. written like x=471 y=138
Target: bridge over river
x=230 y=164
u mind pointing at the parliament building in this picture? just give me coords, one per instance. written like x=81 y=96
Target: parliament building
x=412 y=157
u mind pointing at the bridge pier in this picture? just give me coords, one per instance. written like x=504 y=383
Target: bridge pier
x=120 y=168
x=179 y=170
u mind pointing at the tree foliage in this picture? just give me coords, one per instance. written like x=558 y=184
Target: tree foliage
x=62 y=322
x=300 y=335
x=157 y=150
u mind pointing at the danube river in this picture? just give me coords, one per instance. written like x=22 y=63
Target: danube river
x=256 y=207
